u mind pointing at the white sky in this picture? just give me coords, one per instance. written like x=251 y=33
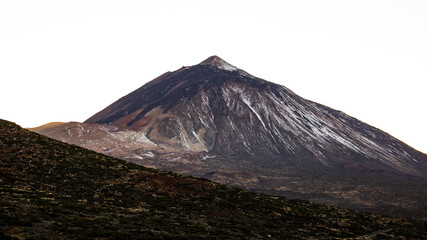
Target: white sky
x=67 y=60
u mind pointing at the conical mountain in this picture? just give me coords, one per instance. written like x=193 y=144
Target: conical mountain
x=217 y=121
x=218 y=108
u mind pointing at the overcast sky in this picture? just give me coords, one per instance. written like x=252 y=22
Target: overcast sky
x=67 y=60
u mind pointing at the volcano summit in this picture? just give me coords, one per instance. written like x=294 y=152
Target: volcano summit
x=217 y=121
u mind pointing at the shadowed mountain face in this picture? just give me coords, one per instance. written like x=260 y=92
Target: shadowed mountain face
x=218 y=121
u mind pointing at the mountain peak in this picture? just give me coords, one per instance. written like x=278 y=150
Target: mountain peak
x=218 y=62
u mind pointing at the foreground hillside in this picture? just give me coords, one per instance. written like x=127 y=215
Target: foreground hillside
x=55 y=190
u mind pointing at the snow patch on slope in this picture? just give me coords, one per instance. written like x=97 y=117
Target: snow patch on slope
x=247 y=101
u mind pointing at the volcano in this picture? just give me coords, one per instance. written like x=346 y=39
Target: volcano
x=217 y=121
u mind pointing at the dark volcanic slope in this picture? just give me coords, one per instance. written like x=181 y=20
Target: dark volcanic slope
x=55 y=190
